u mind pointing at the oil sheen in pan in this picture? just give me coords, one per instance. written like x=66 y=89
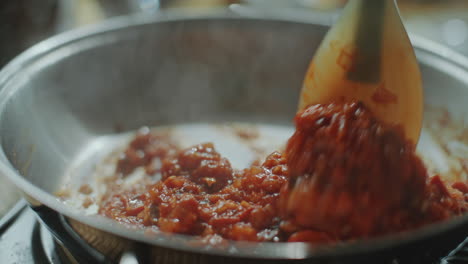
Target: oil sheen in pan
x=441 y=146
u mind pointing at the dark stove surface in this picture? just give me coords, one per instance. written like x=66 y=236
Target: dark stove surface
x=23 y=239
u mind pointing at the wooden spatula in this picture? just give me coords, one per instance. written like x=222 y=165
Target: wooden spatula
x=367 y=56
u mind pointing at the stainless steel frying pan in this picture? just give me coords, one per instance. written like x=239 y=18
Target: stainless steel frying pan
x=63 y=93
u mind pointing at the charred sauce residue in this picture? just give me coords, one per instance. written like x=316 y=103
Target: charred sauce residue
x=343 y=176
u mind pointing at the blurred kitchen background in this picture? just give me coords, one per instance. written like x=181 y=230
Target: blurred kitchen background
x=25 y=22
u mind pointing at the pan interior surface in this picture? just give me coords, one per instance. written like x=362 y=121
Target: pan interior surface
x=73 y=102
x=242 y=144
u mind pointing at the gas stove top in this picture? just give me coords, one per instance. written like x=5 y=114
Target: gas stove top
x=25 y=238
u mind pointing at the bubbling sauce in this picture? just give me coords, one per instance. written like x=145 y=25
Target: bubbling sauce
x=343 y=176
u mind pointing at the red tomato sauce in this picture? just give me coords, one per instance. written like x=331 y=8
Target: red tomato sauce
x=343 y=176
